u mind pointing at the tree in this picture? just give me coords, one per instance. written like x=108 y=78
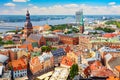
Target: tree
x=109 y=30
x=68 y=32
x=0 y=39
x=9 y=42
x=45 y=48
x=1 y=43
x=53 y=48
x=73 y=70
x=61 y=27
x=117 y=23
x=75 y=30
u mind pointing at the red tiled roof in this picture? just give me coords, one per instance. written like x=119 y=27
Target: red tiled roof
x=23 y=46
x=95 y=65
x=37 y=27
x=30 y=48
x=9 y=37
x=67 y=61
x=118 y=67
x=67 y=49
x=109 y=35
x=112 y=78
x=19 y=64
x=114 y=46
x=34 y=61
x=47 y=27
x=102 y=72
x=98 y=70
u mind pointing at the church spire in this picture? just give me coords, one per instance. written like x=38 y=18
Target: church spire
x=28 y=24
x=28 y=29
x=27 y=16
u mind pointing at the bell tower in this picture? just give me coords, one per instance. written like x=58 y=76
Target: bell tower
x=28 y=29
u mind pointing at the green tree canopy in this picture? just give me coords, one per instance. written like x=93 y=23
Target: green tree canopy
x=73 y=70
x=0 y=39
x=109 y=30
x=9 y=42
x=47 y=48
x=61 y=27
x=117 y=23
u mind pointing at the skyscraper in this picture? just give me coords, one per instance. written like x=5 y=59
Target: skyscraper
x=79 y=20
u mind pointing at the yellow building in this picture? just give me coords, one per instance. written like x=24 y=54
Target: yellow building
x=21 y=53
x=73 y=56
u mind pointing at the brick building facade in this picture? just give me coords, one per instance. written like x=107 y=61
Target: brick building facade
x=68 y=39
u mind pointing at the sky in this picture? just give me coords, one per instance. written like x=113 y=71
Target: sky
x=60 y=7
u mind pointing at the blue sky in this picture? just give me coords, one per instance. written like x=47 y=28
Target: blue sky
x=49 y=7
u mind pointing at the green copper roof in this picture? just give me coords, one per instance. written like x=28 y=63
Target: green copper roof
x=35 y=44
x=35 y=54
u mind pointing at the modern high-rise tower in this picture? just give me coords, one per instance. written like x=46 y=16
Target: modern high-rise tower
x=28 y=29
x=79 y=20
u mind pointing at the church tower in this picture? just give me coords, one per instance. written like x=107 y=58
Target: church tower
x=28 y=29
x=79 y=20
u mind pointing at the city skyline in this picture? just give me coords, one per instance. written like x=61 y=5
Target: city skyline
x=62 y=7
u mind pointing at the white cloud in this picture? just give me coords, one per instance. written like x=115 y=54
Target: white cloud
x=10 y=4
x=20 y=0
x=71 y=5
x=70 y=9
x=30 y=4
x=35 y=7
x=112 y=3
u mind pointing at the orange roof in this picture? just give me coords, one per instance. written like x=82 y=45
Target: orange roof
x=67 y=61
x=19 y=64
x=34 y=61
x=97 y=69
x=118 y=67
x=67 y=49
x=112 y=78
x=114 y=46
x=102 y=72
x=109 y=35
x=47 y=27
x=23 y=46
x=9 y=37
x=36 y=27
x=95 y=65
x=30 y=48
